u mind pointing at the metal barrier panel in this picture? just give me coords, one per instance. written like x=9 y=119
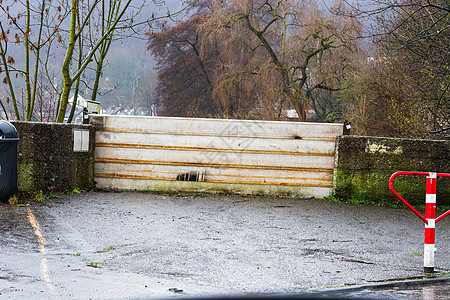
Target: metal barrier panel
x=215 y=155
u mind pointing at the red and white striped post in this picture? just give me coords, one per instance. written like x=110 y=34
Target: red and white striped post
x=429 y=219
x=430 y=215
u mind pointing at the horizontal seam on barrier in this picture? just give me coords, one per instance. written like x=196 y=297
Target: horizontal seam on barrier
x=210 y=175
x=137 y=146
x=219 y=135
x=211 y=165
x=118 y=176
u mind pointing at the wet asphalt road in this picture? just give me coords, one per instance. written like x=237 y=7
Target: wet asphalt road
x=134 y=245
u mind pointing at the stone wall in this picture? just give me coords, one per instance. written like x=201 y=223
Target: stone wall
x=47 y=161
x=364 y=165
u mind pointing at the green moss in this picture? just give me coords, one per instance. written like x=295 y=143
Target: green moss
x=25 y=177
x=91 y=174
x=365 y=164
x=373 y=188
x=13 y=200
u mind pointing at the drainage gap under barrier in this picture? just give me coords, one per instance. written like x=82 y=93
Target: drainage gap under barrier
x=191 y=176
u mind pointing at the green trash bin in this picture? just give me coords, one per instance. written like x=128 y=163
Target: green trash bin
x=8 y=160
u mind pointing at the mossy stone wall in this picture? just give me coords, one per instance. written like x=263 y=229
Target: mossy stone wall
x=364 y=165
x=46 y=160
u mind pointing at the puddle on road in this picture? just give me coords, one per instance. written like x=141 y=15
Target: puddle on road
x=438 y=292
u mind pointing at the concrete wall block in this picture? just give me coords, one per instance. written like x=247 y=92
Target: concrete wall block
x=46 y=160
x=364 y=165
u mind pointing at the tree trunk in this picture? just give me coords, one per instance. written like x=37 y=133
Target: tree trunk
x=67 y=80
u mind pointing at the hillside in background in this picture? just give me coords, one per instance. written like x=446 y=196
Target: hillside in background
x=127 y=77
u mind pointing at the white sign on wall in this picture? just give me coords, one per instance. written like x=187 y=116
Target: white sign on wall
x=80 y=140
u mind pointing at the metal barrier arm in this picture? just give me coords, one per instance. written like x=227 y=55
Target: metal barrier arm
x=391 y=187
x=443 y=216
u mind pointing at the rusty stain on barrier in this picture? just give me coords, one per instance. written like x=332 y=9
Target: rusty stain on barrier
x=163 y=132
x=204 y=177
x=137 y=146
x=106 y=175
x=210 y=165
x=327 y=177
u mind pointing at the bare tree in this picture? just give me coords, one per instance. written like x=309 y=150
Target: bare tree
x=34 y=37
x=251 y=59
x=185 y=83
x=290 y=39
x=411 y=41
x=82 y=31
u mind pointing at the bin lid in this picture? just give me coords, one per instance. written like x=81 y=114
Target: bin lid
x=7 y=130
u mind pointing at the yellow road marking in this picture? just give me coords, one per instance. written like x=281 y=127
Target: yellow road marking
x=41 y=240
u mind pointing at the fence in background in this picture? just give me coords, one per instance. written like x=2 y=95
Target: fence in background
x=214 y=155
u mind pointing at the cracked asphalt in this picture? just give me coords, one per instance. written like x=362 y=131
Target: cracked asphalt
x=104 y=245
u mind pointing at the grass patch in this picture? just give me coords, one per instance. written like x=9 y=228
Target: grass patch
x=74 y=190
x=13 y=200
x=111 y=248
x=382 y=203
x=25 y=198
x=414 y=254
x=94 y=264
x=362 y=200
x=175 y=193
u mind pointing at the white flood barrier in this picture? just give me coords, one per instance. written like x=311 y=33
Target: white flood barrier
x=214 y=155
